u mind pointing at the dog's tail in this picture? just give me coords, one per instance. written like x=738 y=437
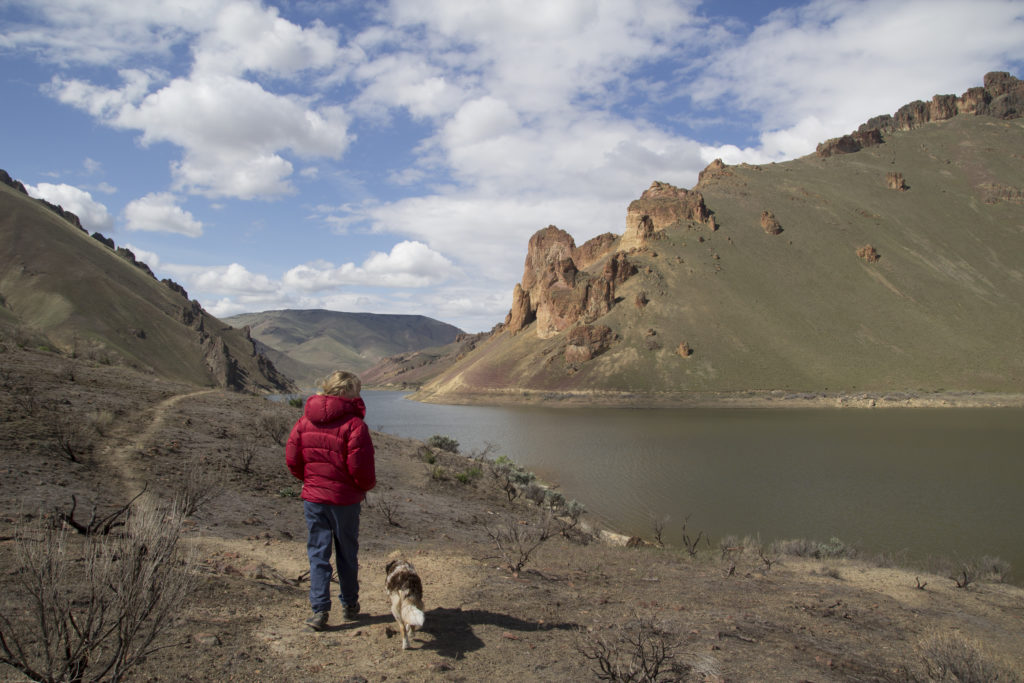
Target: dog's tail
x=412 y=615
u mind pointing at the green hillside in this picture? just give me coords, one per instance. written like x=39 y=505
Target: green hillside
x=941 y=309
x=62 y=288
x=317 y=342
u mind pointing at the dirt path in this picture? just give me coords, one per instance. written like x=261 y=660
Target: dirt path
x=121 y=458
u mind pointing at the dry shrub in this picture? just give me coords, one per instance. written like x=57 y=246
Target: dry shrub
x=101 y=420
x=244 y=454
x=994 y=569
x=952 y=657
x=198 y=486
x=275 y=426
x=640 y=651
x=93 y=610
x=71 y=435
x=516 y=540
x=383 y=503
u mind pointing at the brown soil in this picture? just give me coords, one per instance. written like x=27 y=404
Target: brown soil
x=730 y=615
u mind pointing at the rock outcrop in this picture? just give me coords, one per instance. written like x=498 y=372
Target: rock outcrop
x=769 y=223
x=716 y=169
x=895 y=181
x=847 y=144
x=1002 y=97
x=7 y=180
x=587 y=341
x=660 y=206
x=556 y=291
x=868 y=253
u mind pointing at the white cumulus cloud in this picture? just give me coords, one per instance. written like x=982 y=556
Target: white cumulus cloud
x=408 y=264
x=92 y=214
x=234 y=278
x=159 y=212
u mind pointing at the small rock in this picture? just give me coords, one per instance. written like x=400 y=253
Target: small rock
x=206 y=639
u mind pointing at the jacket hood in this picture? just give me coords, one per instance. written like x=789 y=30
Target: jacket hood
x=322 y=409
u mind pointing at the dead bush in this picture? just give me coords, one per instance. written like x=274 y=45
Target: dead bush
x=92 y=610
x=658 y=527
x=383 y=503
x=691 y=544
x=96 y=526
x=994 y=569
x=516 y=540
x=71 y=435
x=952 y=657
x=198 y=486
x=275 y=426
x=244 y=455
x=101 y=421
x=640 y=651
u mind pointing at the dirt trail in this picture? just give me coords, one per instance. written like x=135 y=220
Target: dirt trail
x=133 y=441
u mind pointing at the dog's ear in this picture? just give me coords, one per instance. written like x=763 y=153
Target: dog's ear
x=389 y=566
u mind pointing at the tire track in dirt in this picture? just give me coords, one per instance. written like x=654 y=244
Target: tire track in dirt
x=121 y=457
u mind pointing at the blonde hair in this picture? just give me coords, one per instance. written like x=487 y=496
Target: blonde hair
x=341 y=383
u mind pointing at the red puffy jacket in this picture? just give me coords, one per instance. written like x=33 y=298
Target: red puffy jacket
x=330 y=450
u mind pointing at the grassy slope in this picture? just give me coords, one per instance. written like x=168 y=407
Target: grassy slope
x=57 y=280
x=799 y=311
x=325 y=340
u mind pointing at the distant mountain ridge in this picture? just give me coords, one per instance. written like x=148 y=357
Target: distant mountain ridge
x=891 y=260
x=86 y=297
x=313 y=343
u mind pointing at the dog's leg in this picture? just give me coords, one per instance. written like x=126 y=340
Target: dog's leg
x=396 y=610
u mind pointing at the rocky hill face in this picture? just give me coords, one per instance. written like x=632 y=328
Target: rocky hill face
x=61 y=287
x=309 y=344
x=412 y=369
x=891 y=260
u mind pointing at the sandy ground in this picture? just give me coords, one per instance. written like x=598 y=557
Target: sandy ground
x=731 y=611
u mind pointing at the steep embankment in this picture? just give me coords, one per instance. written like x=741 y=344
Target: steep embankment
x=80 y=294
x=891 y=260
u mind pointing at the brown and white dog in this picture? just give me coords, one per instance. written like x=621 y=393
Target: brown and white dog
x=406 y=593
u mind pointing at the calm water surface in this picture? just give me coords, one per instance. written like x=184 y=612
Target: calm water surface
x=923 y=483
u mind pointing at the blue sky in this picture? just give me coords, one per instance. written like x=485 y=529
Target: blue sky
x=395 y=157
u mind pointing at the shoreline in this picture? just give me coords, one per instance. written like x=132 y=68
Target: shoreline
x=774 y=399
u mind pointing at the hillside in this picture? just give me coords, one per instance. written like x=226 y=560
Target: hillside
x=63 y=288
x=892 y=260
x=412 y=369
x=733 y=609
x=316 y=342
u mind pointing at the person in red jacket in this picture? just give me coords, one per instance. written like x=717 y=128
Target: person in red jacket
x=330 y=450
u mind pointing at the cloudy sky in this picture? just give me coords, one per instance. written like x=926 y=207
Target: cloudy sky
x=396 y=156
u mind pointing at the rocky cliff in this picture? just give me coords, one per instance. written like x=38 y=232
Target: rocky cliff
x=1001 y=97
x=557 y=291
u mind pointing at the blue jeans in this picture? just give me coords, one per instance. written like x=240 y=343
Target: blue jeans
x=337 y=525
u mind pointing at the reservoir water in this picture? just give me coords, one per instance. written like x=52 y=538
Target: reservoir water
x=919 y=483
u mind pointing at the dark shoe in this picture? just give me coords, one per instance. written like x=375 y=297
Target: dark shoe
x=318 y=622
x=351 y=612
